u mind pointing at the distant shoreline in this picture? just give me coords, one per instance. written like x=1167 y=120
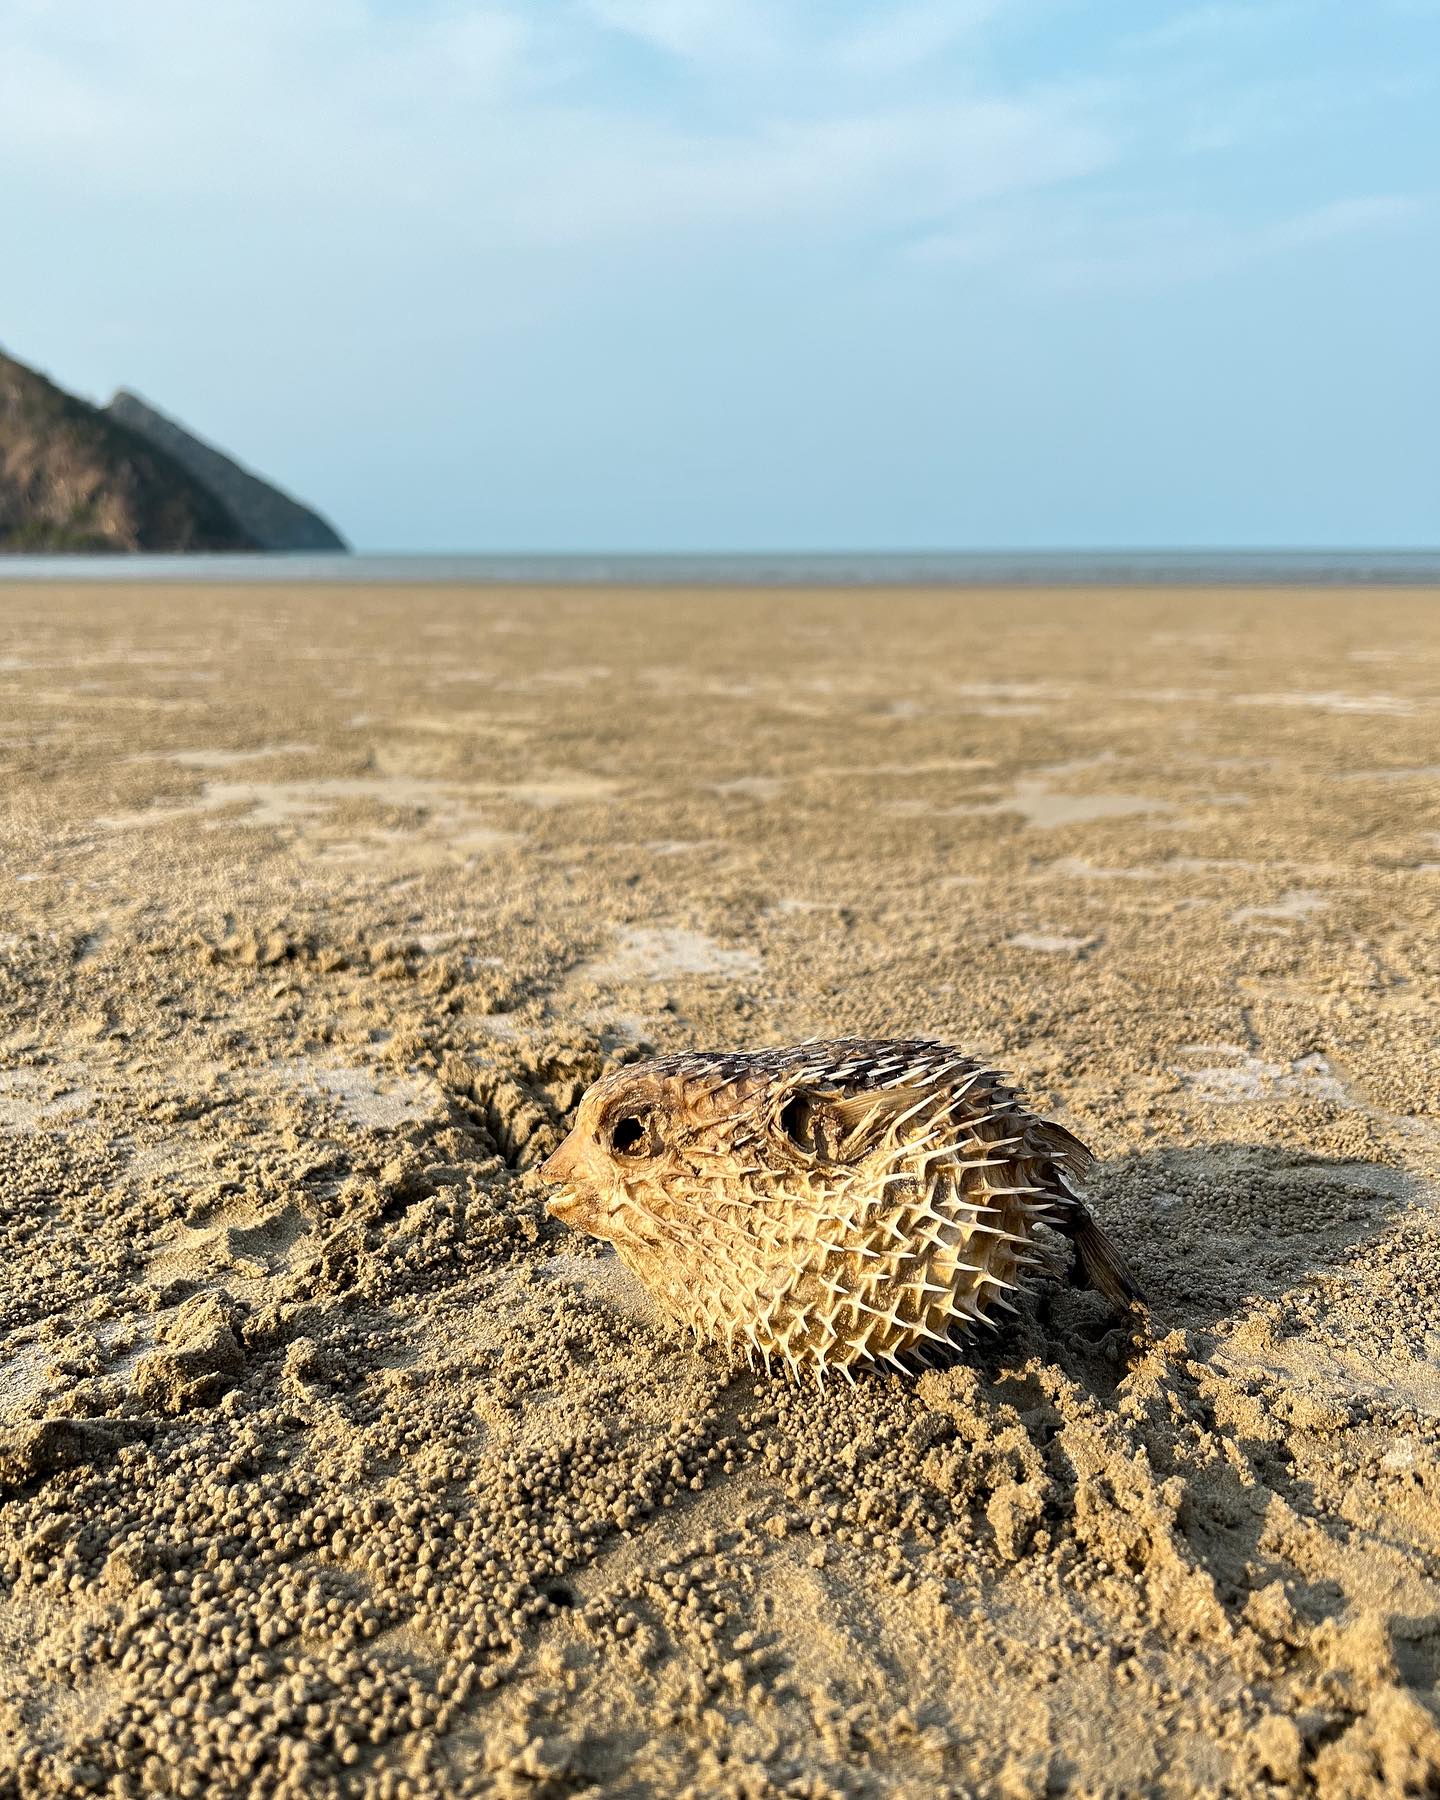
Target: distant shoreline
x=980 y=568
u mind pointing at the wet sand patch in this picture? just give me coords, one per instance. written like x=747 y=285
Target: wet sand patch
x=1295 y=903
x=1243 y=1077
x=1376 y=705
x=215 y=758
x=378 y=1100
x=39 y=1099
x=1052 y=943
x=1044 y=808
x=655 y=953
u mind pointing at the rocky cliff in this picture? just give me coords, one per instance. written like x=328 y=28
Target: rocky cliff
x=271 y=518
x=125 y=477
x=72 y=477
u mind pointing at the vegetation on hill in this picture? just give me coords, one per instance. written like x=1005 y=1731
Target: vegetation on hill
x=272 y=518
x=73 y=478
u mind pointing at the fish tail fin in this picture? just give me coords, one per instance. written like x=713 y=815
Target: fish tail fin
x=1101 y=1265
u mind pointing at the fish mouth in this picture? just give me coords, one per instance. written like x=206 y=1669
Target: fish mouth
x=574 y=1207
x=582 y=1209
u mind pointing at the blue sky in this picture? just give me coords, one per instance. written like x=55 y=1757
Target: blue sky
x=693 y=274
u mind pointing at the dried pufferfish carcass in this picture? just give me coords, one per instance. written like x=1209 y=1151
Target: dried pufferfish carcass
x=830 y=1205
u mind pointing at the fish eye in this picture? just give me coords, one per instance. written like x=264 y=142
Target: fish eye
x=631 y=1136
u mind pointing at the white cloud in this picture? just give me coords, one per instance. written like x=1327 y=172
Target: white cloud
x=494 y=124
x=903 y=37
x=1095 y=248
x=725 y=31
x=1219 y=23
x=163 y=97
x=891 y=167
x=726 y=35
x=436 y=131
x=1251 y=113
x=1341 y=219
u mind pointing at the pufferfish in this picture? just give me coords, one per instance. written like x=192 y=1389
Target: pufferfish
x=828 y=1206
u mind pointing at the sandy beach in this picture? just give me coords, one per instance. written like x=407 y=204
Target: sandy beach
x=331 y=1465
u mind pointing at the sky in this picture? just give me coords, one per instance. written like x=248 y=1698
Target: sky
x=752 y=274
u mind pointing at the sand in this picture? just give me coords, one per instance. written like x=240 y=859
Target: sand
x=330 y=1465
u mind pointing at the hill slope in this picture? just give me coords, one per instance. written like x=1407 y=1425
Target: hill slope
x=272 y=518
x=74 y=478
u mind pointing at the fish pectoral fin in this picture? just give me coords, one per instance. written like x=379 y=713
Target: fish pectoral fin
x=1073 y=1159
x=861 y=1120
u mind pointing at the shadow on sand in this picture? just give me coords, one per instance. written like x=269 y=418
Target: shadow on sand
x=1205 y=1229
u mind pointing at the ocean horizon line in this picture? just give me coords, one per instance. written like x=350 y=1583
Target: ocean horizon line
x=1062 y=567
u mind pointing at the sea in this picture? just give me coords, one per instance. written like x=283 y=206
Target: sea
x=939 y=568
